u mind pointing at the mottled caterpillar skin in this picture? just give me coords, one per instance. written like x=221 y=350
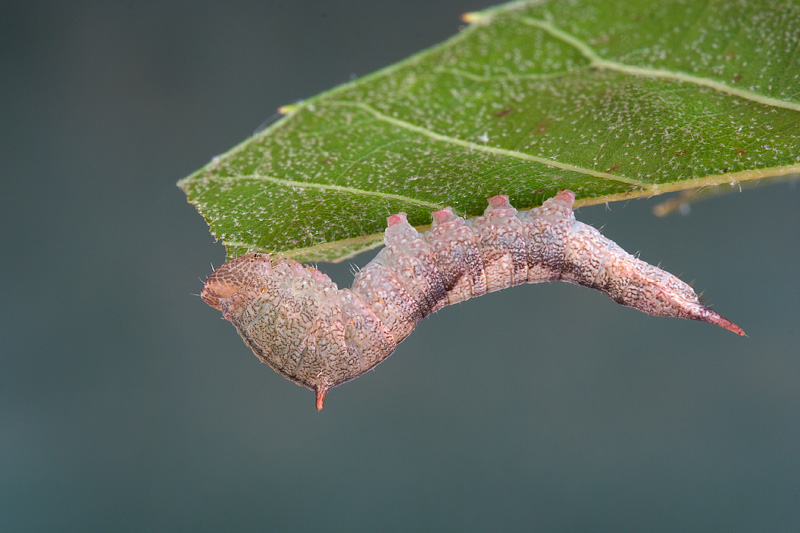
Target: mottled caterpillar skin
x=296 y=320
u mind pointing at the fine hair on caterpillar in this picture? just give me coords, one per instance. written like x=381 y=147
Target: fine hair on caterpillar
x=299 y=322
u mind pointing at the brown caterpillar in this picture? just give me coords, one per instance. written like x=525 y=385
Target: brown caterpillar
x=296 y=320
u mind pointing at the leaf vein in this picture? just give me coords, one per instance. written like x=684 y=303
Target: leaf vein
x=483 y=79
x=597 y=61
x=484 y=148
x=332 y=187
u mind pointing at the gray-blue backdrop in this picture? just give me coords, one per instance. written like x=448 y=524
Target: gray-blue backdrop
x=128 y=405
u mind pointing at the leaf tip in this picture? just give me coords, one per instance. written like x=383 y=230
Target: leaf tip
x=286 y=109
x=471 y=17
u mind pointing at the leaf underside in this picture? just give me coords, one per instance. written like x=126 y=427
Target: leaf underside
x=612 y=100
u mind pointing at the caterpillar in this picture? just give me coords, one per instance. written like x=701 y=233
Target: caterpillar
x=300 y=323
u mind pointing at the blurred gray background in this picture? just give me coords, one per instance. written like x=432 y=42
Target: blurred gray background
x=126 y=404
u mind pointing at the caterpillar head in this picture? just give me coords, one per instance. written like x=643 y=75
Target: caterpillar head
x=228 y=279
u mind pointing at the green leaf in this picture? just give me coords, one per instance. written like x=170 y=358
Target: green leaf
x=611 y=99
